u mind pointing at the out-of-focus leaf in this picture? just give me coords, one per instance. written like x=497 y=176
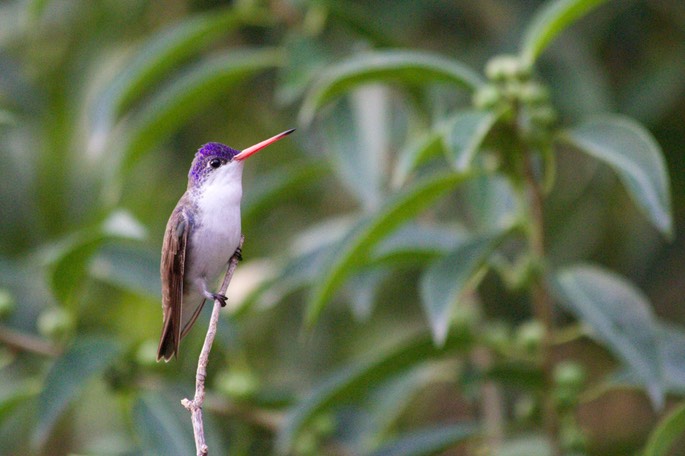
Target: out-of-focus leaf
x=352 y=383
x=371 y=229
x=153 y=61
x=655 y=90
x=529 y=445
x=667 y=432
x=127 y=267
x=272 y=187
x=362 y=290
x=29 y=389
x=415 y=153
x=306 y=57
x=87 y=357
x=491 y=203
x=448 y=278
x=550 y=20
x=465 y=135
x=385 y=66
x=428 y=441
x=70 y=267
x=356 y=157
x=518 y=374
x=636 y=157
x=160 y=428
x=416 y=242
x=186 y=95
x=619 y=317
x=672 y=349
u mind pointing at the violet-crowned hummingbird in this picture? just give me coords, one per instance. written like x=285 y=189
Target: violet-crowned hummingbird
x=202 y=234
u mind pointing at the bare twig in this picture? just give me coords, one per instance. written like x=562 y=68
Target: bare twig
x=26 y=342
x=195 y=406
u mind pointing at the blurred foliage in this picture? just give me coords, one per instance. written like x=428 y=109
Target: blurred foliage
x=389 y=298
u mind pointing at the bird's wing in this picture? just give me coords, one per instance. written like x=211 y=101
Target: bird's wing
x=172 y=272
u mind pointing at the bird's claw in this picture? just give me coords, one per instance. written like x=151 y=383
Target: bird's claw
x=238 y=254
x=221 y=298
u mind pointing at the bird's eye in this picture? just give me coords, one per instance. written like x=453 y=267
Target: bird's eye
x=215 y=163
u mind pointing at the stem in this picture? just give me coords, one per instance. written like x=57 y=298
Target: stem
x=195 y=406
x=26 y=342
x=541 y=300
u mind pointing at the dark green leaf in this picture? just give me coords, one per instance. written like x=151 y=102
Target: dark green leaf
x=636 y=157
x=352 y=383
x=619 y=317
x=158 y=55
x=70 y=266
x=130 y=268
x=465 y=135
x=429 y=441
x=273 y=187
x=668 y=431
x=491 y=203
x=447 y=279
x=415 y=153
x=384 y=66
x=87 y=357
x=418 y=242
x=188 y=94
x=161 y=427
x=372 y=229
x=356 y=149
x=550 y=20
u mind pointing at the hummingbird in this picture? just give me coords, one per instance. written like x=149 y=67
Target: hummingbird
x=201 y=236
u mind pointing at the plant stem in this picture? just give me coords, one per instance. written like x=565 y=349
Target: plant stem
x=195 y=406
x=541 y=300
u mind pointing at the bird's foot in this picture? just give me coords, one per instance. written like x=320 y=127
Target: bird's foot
x=221 y=298
x=238 y=254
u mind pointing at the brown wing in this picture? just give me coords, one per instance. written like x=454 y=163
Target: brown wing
x=172 y=269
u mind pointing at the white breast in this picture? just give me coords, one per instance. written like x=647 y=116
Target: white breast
x=217 y=229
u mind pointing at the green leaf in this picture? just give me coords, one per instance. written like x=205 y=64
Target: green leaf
x=636 y=157
x=465 y=136
x=619 y=317
x=273 y=187
x=356 y=157
x=87 y=357
x=353 y=382
x=416 y=242
x=669 y=430
x=69 y=268
x=429 y=441
x=160 y=427
x=415 y=153
x=371 y=229
x=446 y=281
x=129 y=268
x=186 y=95
x=384 y=66
x=159 y=54
x=549 y=21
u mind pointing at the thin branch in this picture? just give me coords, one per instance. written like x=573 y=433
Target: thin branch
x=541 y=300
x=26 y=342
x=195 y=406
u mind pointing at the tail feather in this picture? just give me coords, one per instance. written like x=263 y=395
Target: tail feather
x=168 y=345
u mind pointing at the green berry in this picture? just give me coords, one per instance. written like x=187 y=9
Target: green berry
x=56 y=323
x=238 y=384
x=506 y=67
x=487 y=97
x=529 y=336
x=7 y=303
x=146 y=355
x=533 y=93
x=569 y=374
